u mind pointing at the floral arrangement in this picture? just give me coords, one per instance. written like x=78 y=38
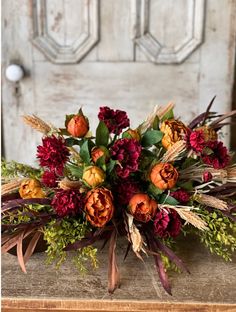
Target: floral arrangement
x=149 y=184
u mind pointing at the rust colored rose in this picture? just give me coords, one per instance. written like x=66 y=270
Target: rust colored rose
x=174 y=131
x=164 y=176
x=98 y=152
x=142 y=207
x=31 y=188
x=78 y=126
x=208 y=133
x=93 y=176
x=133 y=134
x=99 y=206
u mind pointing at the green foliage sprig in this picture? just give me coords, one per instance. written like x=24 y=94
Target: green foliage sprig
x=221 y=236
x=59 y=234
x=13 y=169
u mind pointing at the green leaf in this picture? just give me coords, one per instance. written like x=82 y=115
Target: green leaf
x=188 y=186
x=126 y=135
x=151 y=137
x=156 y=123
x=102 y=134
x=76 y=171
x=111 y=165
x=63 y=131
x=84 y=152
x=189 y=162
x=71 y=141
x=168 y=200
x=101 y=162
x=155 y=191
x=168 y=115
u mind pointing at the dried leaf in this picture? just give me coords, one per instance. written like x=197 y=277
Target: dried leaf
x=113 y=272
x=208 y=110
x=20 y=251
x=31 y=247
x=11 y=243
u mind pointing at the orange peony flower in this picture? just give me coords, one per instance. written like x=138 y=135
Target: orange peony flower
x=164 y=176
x=31 y=188
x=96 y=153
x=174 y=131
x=133 y=134
x=78 y=126
x=208 y=133
x=99 y=206
x=142 y=207
x=93 y=176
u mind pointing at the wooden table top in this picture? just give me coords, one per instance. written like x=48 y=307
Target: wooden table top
x=211 y=286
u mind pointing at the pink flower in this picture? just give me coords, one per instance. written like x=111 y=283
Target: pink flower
x=49 y=179
x=115 y=120
x=167 y=223
x=197 y=141
x=181 y=195
x=67 y=202
x=219 y=158
x=53 y=154
x=124 y=191
x=127 y=152
x=207 y=176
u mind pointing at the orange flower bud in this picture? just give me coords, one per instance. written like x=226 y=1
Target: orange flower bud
x=93 y=176
x=31 y=188
x=78 y=126
x=96 y=153
x=174 y=131
x=142 y=207
x=133 y=134
x=208 y=132
x=164 y=176
x=99 y=206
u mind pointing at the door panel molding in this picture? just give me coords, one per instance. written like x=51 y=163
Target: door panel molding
x=153 y=47
x=64 y=53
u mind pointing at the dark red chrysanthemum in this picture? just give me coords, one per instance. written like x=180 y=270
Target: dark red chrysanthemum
x=49 y=179
x=181 y=195
x=167 y=223
x=115 y=120
x=197 y=141
x=124 y=191
x=67 y=202
x=127 y=152
x=53 y=154
x=219 y=158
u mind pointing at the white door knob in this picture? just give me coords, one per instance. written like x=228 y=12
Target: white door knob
x=14 y=72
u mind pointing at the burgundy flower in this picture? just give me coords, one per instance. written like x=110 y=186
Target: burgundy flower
x=127 y=152
x=219 y=158
x=124 y=191
x=115 y=120
x=167 y=223
x=53 y=154
x=49 y=179
x=181 y=195
x=207 y=176
x=67 y=202
x=197 y=141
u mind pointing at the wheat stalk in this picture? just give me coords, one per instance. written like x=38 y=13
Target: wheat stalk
x=175 y=151
x=211 y=201
x=10 y=186
x=67 y=184
x=37 y=123
x=189 y=216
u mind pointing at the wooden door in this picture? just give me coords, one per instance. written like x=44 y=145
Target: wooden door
x=128 y=54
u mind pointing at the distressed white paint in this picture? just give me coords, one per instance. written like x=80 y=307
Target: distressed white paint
x=115 y=72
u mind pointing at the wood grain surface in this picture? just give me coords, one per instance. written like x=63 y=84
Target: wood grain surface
x=211 y=286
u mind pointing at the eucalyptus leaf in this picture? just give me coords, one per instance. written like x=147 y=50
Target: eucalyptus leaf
x=151 y=137
x=168 y=115
x=84 y=152
x=102 y=134
x=76 y=171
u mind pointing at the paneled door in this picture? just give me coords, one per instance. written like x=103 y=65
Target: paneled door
x=127 y=54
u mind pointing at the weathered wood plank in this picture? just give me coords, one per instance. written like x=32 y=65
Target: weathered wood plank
x=211 y=282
